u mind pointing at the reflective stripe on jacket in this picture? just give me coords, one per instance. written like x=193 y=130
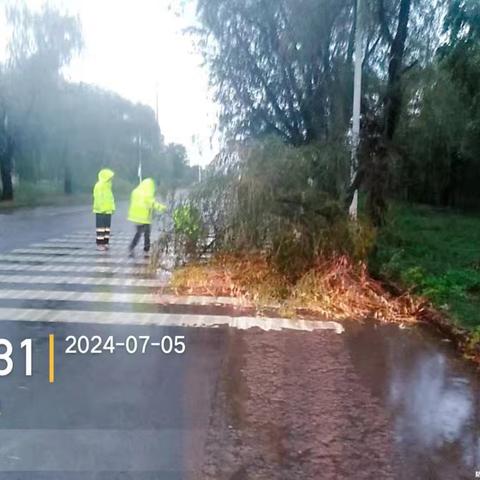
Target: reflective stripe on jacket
x=103 y=201
x=142 y=203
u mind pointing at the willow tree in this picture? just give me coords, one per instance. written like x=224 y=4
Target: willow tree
x=41 y=44
x=440 y=132
x=276 y=67
x=285 y=67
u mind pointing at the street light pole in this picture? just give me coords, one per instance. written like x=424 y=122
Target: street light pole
x=139 y=154
x=156 y=102
x=357 y=93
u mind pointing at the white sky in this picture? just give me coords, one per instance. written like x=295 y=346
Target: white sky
x=132 y=46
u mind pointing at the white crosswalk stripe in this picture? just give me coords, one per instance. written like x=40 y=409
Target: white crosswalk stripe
x=72 y=280
x=74 y=268
x=86 y=241
x=60 y=262
x=49 y=251
x=147 y=298
x=165 y=319
x=62 y=247
x=90 y=234
x=69 y=259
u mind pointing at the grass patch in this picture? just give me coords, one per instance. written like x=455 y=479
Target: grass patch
x=436 y=254
x=46 y=193
x=30 y=194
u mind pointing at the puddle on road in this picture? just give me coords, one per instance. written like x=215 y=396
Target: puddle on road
x=431 y=394
x=400 y=402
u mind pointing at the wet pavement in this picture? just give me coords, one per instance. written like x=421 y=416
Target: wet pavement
x=106 y=415
x=431 y=395
x=375 y=401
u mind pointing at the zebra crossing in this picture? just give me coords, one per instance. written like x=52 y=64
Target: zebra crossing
x=66 y=280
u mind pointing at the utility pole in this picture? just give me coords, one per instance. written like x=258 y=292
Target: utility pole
x=357 y=95
x=139 y=155
x=156 y=102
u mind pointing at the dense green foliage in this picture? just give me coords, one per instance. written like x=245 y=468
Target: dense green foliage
x=281 y=200
x=188 y=229
x=285 y=68
x=186 y=221
x=435 y=252
x=440 y=134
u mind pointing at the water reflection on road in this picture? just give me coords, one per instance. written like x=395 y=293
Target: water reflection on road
x=431 y=394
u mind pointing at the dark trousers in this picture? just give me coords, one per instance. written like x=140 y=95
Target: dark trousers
x=103 y=223
x=145 y=230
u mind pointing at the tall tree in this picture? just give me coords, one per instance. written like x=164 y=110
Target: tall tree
x=396 y=43
x=41 y=44
x=275 y=66
x=286 y=68
x=440 y=132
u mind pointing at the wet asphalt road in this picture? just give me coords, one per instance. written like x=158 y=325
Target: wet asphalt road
x=21 y=227
x=107 y=415
x=149 y=416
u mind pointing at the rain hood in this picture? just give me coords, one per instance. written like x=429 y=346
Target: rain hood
x=147 y=187
x=105 y=175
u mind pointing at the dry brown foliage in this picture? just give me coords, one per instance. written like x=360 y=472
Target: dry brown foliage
x=336 y=288
x=249 y=276
x=341 y=289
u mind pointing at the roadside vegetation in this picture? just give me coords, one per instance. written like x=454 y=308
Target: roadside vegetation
x=273 y=206
x=284 y=243
x=55 y=135
x=435 y=254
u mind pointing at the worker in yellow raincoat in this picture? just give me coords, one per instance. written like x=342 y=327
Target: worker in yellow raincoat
x=103 y=207
x=140 y=212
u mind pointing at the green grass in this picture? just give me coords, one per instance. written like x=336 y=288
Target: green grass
x=43 y=193
x=437 y=254
x=29 y=194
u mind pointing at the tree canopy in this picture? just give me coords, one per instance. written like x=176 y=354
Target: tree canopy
x=63 y=132
x=285 y=68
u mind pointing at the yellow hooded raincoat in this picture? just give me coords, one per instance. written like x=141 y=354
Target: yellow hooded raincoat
x=103 y=201
x=142 y=203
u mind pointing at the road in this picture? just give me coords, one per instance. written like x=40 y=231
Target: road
x=359 y=401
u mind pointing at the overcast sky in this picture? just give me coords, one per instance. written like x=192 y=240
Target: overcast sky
x=135 y=47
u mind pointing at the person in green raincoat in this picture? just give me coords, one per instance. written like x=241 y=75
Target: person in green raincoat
x=103 y=207
x=140 y=212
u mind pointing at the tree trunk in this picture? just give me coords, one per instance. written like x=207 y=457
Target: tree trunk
x=392 y=103
x=393 y=98
x=6 y=166
x=376 y=199
x=67 y=184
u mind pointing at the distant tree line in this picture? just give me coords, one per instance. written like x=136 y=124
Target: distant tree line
x=61 y=132
x=285 y=68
